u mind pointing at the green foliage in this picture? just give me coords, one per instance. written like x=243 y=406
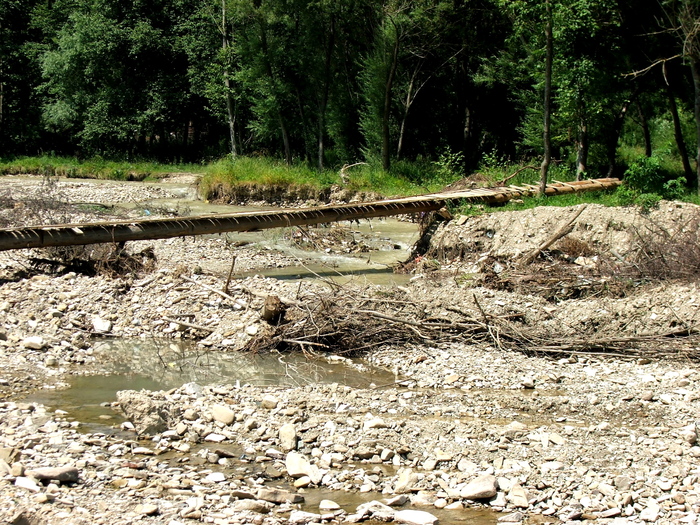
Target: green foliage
x=450 y=166
x=645 y=175
x=648 y=201
x=326 y=83
x=222 y=177
x=646 y=183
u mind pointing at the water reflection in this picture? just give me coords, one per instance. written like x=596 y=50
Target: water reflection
x=170 y=364
x=156 y=364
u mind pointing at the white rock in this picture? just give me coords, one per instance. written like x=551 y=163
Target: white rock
x=288 y=437
x=101 y=326
x=34 y=342
x=223 y=414
x=651 y=512
x=270 y=402
x=299 y=517
x=483 y=487
x=27 y=483
x=327 y=505
x=298 y=466
x=415 y=517
x=376 y=422
x=216 y=477
x=518 y=496
x=405 y=481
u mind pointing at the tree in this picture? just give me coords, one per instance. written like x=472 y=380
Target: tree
x=684 y=19
x=116 y=79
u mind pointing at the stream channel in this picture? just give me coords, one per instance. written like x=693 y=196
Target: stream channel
x=156 y=364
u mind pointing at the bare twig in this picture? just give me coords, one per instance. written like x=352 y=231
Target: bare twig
x=502 y=182
x=189 y=325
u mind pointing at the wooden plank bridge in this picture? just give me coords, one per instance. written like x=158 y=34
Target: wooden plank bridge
x=163 y=228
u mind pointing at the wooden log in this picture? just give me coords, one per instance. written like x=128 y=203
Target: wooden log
x=136 y=230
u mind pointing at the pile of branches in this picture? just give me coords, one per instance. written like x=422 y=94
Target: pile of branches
x=353 y=323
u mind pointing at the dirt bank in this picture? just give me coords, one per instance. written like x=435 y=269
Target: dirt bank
x=510 y=393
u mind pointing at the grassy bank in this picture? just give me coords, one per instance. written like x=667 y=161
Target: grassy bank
x=258 y=178
x=95 y=168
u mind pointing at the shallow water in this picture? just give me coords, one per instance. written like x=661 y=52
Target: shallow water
x=157 y=364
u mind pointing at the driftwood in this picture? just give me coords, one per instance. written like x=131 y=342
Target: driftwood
x=339 y=322
x=564 y=229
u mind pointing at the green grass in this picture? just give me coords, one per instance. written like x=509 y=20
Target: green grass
x=405 y=178
x=221 y=177
x=95 y=168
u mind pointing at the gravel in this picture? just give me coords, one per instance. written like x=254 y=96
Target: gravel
x=464 y=426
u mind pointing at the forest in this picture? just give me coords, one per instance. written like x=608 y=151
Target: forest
x=587 y=85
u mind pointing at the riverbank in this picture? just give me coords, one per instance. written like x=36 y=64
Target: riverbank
x=476 y=418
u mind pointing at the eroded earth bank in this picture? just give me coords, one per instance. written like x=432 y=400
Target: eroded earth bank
x=564 y=389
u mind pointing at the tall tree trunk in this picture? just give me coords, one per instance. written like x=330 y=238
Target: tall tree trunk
x=678 y=133
x=583 y=147
x=386 y=143
x=549 y=52
x=614 y=136
x=695 y=68
x=280 y=117
x=230 y=109
x=323 y=103
x=645 y=130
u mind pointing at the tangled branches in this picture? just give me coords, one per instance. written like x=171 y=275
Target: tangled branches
x=355 y=322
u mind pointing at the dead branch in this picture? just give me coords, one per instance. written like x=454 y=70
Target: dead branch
x=512 y=175
x=212 y=289
x=563 y=230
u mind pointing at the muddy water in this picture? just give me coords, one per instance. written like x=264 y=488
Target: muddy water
x=390 y=241
x=155 y=364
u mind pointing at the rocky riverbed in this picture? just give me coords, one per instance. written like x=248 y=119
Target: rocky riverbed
x=558 y=434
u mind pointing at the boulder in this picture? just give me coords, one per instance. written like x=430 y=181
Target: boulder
x=148 y=414
x=223 y=414
x=483 y=487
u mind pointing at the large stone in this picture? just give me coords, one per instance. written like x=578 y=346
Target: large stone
x=223 y=414
x=518 y=496
x=149 y=415
x=34 y=342
x=298 y=465
x=405 y=482
x=252 y=505
x=27 y=483
x=376 y=510
x=62 y=474
x=146 y=509
x=415 y=517
x=288 y=437
x=299 y=517
x=376 y=422
x=101 y=326
x=651 y=512
x=328 y=505
x=269 y=401
x=483 y=487
x=279 y=496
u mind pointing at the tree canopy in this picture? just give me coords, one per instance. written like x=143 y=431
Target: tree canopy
x=330 y=82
